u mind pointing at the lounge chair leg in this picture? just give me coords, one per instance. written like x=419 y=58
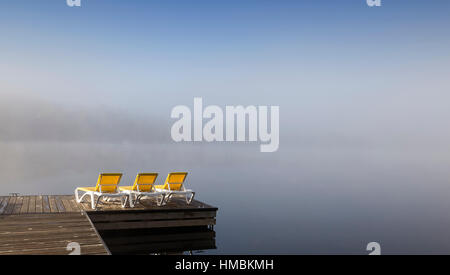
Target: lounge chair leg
x=189 y=200
x=92 y=201
x=124 y=201
x=167 y=198
x=77 y=196
x=131 y=200
x=160 y=202
x=96 y=202
x=137 y=200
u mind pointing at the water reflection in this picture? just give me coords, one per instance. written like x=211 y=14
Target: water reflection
x=160 y=241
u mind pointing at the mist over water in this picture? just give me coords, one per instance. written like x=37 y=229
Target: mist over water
x=322 y=195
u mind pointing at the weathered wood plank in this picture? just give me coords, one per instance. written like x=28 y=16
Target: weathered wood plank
x=18 y=205
x=10 y=206
x=29 y=217
x=75 y=205
x=59 y=204
x=41 y=218
x=67 y=205
x=48 y=242
x=25 y=203
x=13 y=229
x=53 y=207
x=148 y=216
x=85 y=206
x=41 y=234
x=154 y=224
x=37 y=224
x=85 y=250
x=4 y=205
x=32 y=205
x=38 y=238
x=39 y=208
x=46 y=204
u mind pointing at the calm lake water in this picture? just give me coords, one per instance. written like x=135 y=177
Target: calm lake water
x=303 y=199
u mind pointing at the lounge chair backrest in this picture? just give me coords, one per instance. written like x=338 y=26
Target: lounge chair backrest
x=107 y=182
x=144 y=182
x=174 y=181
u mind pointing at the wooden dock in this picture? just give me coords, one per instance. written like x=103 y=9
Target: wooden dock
x=47 y=224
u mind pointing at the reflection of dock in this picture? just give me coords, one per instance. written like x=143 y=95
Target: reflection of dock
x=47 y=224
x=165 y=240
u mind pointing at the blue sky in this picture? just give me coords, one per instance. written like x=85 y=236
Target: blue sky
x=315 y=59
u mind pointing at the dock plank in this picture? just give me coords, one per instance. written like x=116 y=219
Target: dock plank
x=149 y=216
x=25 y=203
x=53 y=207
x=39 y=204
x=74 y=204
x=154 y=224
x=3 y=205
x=45 y=204
x=18 y=205
x=47 y=234
x=86 y=250
x=67 y=205
x=59 y=204
x=32 y=205
x=10 y=206
x=86 y=206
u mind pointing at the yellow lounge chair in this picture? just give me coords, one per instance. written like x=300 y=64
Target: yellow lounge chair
x=106 y=187
x=174 y=185
x=143 y=186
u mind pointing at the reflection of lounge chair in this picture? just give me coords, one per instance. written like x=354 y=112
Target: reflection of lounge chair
x=106 y=187
x=174 y=185
x=143 y=186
